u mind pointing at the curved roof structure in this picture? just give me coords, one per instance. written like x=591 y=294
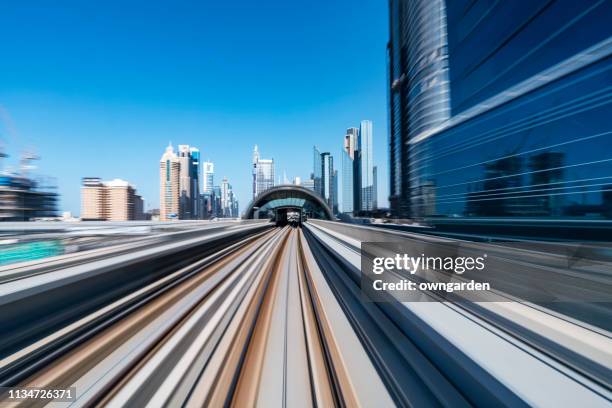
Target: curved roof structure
x=290 y=196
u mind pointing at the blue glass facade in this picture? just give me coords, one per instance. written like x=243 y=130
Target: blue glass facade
x=530 y=133
x=496 y=45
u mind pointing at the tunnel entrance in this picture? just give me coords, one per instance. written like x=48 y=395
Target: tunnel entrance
x=288 y=204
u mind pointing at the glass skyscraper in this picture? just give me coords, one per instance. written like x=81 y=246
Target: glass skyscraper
x=316 y=170
x=263 y=173
x=366 y=170
x=327 y=178
x=349 y=166
x=500 y=109
x=208 y=169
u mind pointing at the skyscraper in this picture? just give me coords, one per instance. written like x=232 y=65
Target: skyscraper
x=188 y=158
x=93 y=199
x=418 y=83
x=229 y=202
x=316 y=170
x=208 y=177
x=489 y=103
x=334 y=207
x=196 y=176
x=375 y=188
x=263 y=173
x=327 y=178
x=349 y=168
x=169 y=176
x=366 y=165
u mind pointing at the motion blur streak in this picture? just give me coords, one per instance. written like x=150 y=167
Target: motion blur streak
x=252 y=314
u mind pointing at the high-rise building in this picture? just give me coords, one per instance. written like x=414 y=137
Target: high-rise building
x=309 y=184
x=418 y=83
x=490 y=103
x=263 y=173
x=350 y=168
x=327 y=178
x=189 y=161
x=229 y=202
x=375 y=187
x=93 y=199
x=139 y=212
x=169 y=176
x=366 y=171
x=208 y=169
x=217 y=209
x=334 y=207
x=121 y=197
x=196 y=176
x=316 y=170
x=114 y=200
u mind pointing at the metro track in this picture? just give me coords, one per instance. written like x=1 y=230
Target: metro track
x=275 y=317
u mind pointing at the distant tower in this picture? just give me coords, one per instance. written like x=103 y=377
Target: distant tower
x=255 y=163
x=169 y=176
x=263 y=173
x=366 y=165
x=209 y=172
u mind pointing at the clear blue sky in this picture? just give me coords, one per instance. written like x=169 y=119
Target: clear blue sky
x=99 y=88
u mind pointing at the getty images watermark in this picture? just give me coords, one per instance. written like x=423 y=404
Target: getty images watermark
x=446 y=270
x=404 y=263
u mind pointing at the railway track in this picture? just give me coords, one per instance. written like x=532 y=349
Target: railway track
x=276 y=318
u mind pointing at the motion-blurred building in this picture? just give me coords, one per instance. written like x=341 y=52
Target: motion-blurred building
x=114 y=200
x=500 y=109
x=24 y=197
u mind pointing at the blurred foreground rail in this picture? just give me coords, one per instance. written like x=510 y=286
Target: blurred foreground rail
x=257 y=315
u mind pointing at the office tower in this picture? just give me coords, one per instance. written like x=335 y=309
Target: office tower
x=335 y=192
x=297 y=180
x=169 y=176
x=93 y=199
x=208 y=169
x=229 y=201
x=263 y=173
x=349 y=170
x=309 y=184
x=366 y=165
x=120 y=200
x=226 y=189
x=417 y=103
x=375 y=187
x=196 y=176
x=327 y=178
x=114 y=200
x=255 y=161
x=235 y=206
x=489 y=104
x=139 y=213
x=217 y=209
x=188 y=158
x=316 y=170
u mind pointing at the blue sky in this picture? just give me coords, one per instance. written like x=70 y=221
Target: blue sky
x=100 y=88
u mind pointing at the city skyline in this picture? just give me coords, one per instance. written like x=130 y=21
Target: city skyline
x=103 y=104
